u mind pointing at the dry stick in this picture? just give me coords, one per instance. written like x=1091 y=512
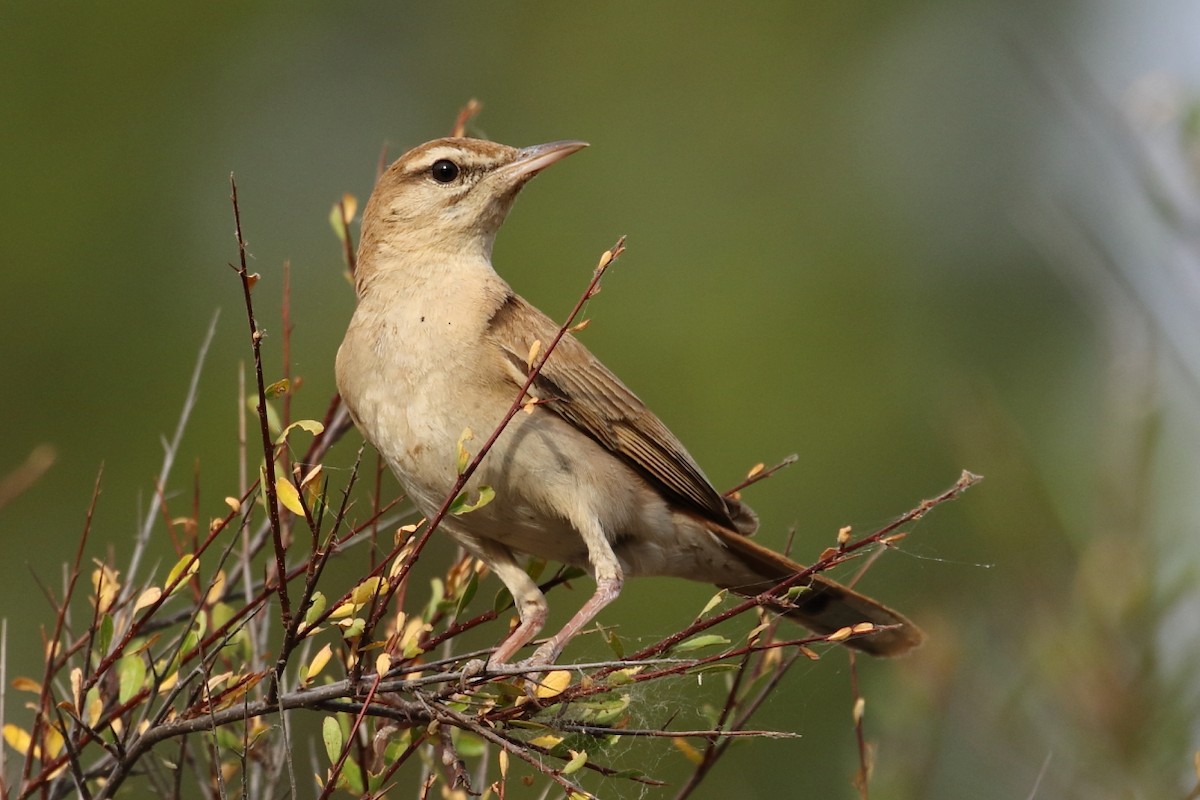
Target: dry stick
x=518 y=403
x=285 y=607
x=170 y=449
x=762 y=474
x=464 y=722
x=39 y=720
x=861 y=780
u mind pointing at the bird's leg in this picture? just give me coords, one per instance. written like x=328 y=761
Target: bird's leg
x=528 y=598
x=609 y=579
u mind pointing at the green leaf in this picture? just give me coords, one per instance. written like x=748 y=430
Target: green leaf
x=468 y=594
x=354 y=629
x=184 y=568
x=277 y=388
x=460 y=505
x=331 y=734
x=468 y=745
x=578 y=759
x=131 y=676
x=716 y=600
x=614 y=643
x=310 y=425
x=703 y=640
x=104 y=635
x=462 y=455
x=315 y=608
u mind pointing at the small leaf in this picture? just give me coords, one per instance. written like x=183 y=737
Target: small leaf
x=331 y=734
x=840 y=635
x=27 y=685
x=17 y=738
x=234 y=504
x=277 y=388
x=184 y=569
x=104 y=635
x=368 y=590
x=614 y=643
x=547 y=741
x=553 y=684
x=578 y=759
x=534 y=349
x=318 y=663
x=383 y=662
x=703 y=640
x=289 y=498
x=315 y=608
x=461 y=506
x=342 y=213
x=309 y=425
x=131 y=675
x=716 y=600
x=148 y=597
x=354 y=629
x=860 y=707
x=463 y=457
x=690 y=753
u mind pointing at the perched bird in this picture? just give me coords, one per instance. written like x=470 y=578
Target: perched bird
x=440 y=343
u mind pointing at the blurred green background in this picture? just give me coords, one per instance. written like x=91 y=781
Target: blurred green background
x=899 y=239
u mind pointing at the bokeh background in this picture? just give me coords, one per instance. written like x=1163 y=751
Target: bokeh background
x=898 y=239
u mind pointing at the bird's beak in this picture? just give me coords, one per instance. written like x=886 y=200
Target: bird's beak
x=532 y=160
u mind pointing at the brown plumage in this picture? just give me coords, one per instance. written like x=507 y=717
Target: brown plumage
x=439 y=343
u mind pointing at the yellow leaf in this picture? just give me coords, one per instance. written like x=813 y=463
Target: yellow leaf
x=843 y=535
x=234 y=504
x=217 y=590
x=757 y=468
x=690 y=753
x=716 y=600
x=106 y=585
x=53 y=742
x=860 y=706
x=534 y=349
x=383 y=662
x=463 y=458
x=368 y=590
x=840 y=635
x=577 y=327
x=148 y=597
x=17 y=738
x=289 y=498
x=547 y=741
x=553 y=683
x=318 y=663
x=27 y=685
x=310 y=425
x=342 y=611
x=311 y=476
x=184 y=568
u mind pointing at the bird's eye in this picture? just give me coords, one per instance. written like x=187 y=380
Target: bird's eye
x=444 y=170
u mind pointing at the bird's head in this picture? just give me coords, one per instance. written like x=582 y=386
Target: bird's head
x=450 y=196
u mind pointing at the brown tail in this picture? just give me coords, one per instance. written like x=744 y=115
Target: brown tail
x=827 y=606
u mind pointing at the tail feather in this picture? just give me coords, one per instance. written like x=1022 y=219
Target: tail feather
x=827 y=606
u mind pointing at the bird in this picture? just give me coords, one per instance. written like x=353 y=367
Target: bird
x=439 y=344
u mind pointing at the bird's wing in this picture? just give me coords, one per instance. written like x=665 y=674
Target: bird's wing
x=576 y=386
